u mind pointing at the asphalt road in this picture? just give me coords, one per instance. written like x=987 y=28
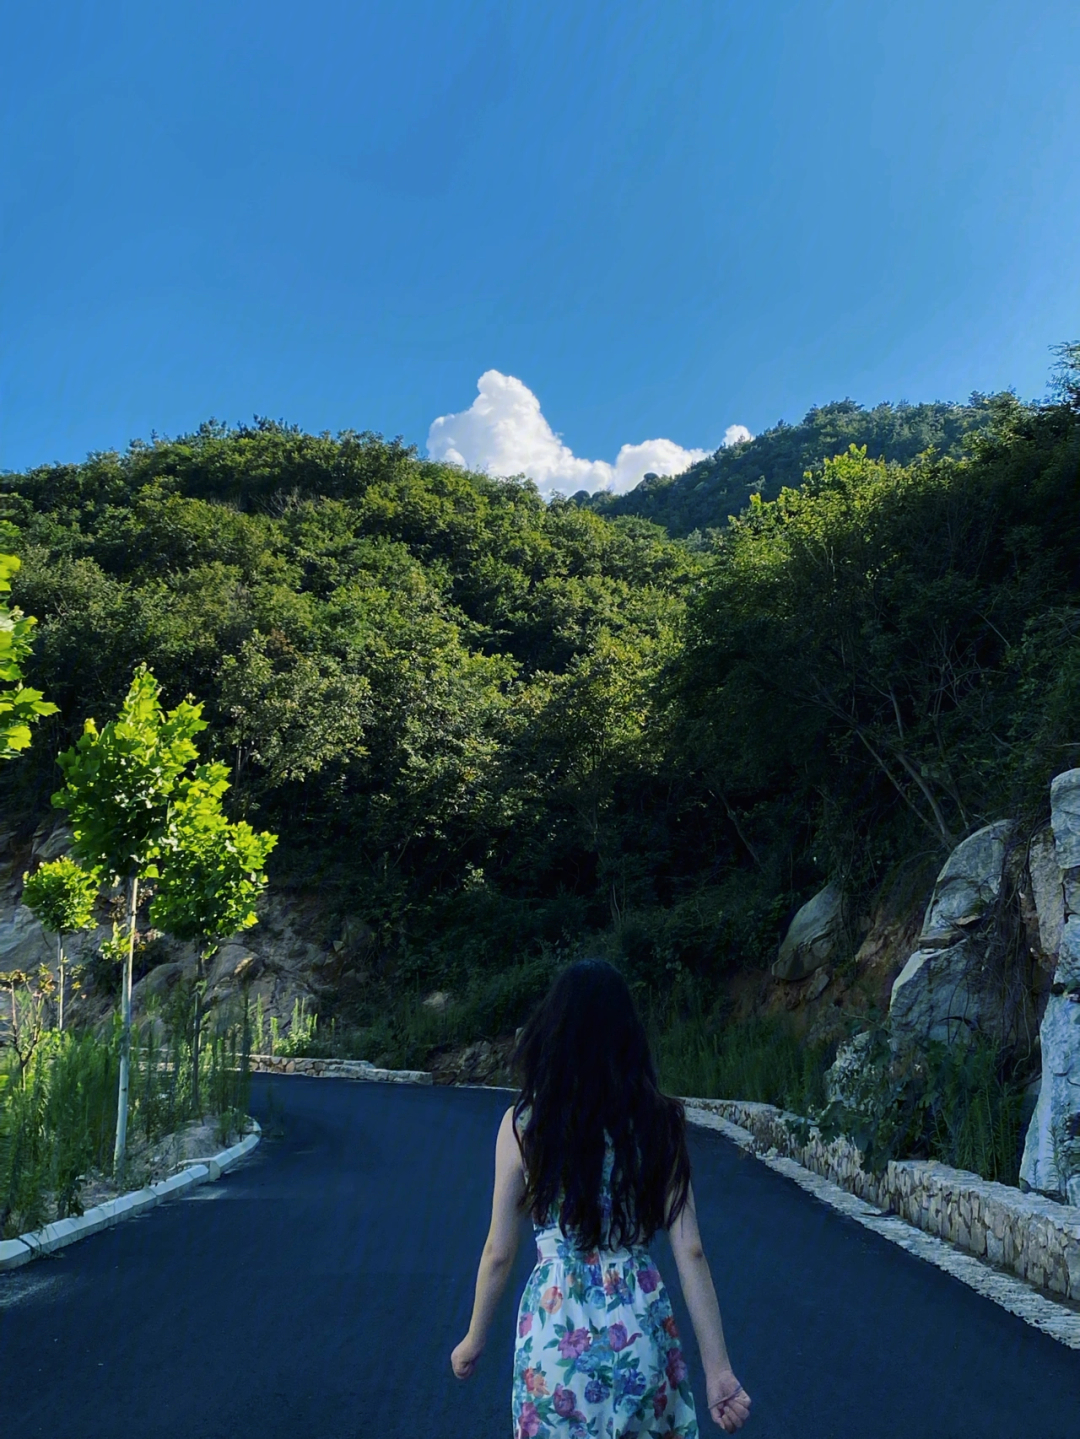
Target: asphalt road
x=316 y=1292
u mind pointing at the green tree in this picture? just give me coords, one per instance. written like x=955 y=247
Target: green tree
x=20 y=706
x=61 y=894
x=211 y=875
x=121 y=787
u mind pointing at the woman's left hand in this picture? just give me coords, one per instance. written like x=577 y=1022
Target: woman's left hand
x=463 y=1360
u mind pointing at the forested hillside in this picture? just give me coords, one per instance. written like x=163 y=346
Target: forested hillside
x=704 y=496
x=498 y=729
x=433 y=684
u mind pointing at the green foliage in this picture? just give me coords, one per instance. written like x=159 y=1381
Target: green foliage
x=864 y=646
x=210 y=870
x=959 y=1103
x=401 y=1032
x=418 y=676
x=61 y=894
x=58 y=1114
x=301 y=1038
x=760 y=1059
x=20 y=706
x=699 y=502
x=121 y=783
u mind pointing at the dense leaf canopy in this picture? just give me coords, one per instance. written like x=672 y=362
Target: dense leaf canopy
x=702 y=498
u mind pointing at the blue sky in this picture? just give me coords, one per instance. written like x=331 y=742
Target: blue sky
x=661 y=219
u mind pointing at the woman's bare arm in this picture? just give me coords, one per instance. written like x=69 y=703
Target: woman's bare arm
x=499 y=1248
x=695 y=1278
x=697 y=1287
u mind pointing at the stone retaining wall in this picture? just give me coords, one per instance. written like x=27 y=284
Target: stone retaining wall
x=1034 y=1237
x=336 y=1069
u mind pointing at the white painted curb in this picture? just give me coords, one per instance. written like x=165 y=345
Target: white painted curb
x=14 y=1252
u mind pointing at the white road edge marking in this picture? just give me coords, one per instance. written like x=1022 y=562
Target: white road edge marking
x=16 y=1252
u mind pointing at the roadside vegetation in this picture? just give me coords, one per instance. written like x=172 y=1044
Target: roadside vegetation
x=141 y=808
x=59 y=1092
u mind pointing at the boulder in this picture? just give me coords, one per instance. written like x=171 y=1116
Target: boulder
x=938 y=994
x=1065 y=817
x=946 y=989
x=51 y=841
x=233 y=961
x=968 y=884
x=1051 y=1161
x=813 y=935
x=155 y=985
x=818 y=984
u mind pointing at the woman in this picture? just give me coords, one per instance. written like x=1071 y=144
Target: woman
x=598 y=1157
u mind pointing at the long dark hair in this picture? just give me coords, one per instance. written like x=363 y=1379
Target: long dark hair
x=584 y=1066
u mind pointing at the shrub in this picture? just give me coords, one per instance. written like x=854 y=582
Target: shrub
x=958 y=1103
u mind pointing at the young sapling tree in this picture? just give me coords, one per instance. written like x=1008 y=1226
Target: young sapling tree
x=29 y=995
x=61 y=895
x=120 y=791
x=211 y=875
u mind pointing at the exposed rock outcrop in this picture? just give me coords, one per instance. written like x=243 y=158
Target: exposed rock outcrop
x=1051 y=1162
x=1047 y=893
x=813 y=936
x=284 y=960
x=842 y=1076
x=25 y=945
x=947 y=987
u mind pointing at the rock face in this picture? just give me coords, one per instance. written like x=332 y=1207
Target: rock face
x=813 y=935
x=25 y=945
x=1047 y=892
x=1051 y=1162
x=283 y=960
x=841 y=1078
x=945 y=989
x=487 y=1061
x=968 y=884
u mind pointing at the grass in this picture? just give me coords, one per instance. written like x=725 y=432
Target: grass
x=974 y=1108
x=759 y=1059
x=58 y=1110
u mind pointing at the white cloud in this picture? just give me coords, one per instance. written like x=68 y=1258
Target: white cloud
x=735 y=435
x=504 y=432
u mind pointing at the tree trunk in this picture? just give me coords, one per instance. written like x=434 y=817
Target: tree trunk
x=120 y=1152
x=60 y=967
x=196 y=1036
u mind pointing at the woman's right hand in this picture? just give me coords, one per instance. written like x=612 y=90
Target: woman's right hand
x=729 y=1403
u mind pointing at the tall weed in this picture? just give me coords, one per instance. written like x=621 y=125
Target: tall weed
x=58 y=1111
x=759 y=1059
x=959 y=1103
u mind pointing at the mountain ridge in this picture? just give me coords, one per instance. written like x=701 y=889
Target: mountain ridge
x=711 y=491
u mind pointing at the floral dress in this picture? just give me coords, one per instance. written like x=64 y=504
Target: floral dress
x=597 y=1351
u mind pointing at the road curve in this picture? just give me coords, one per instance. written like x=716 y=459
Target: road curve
x=316 y=1293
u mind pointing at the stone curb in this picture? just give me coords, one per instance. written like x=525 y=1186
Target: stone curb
x=1056 y=1320
x=15 y=1252
x=1029 y=1235
x=336 y=1069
